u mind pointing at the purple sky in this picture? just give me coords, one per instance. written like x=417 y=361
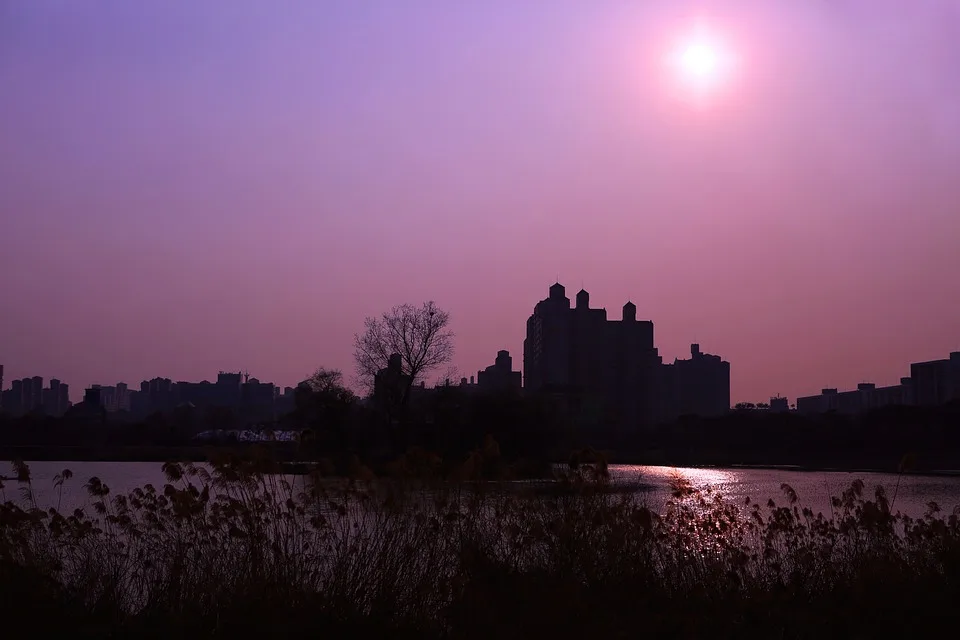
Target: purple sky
x=193 y=186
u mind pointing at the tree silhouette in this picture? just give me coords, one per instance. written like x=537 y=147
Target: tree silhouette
x=327 y=381
x=323 y=404
x=419 y=335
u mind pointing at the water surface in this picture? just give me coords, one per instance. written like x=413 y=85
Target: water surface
x=913 y=493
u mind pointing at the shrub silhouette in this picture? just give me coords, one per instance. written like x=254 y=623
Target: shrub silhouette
x=236 y=547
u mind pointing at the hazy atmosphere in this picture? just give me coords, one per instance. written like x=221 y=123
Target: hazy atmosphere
x=193 y=186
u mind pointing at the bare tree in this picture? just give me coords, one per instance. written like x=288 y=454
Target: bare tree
x=419 y=335
x=451 y=375
x=325 y=380
x=324 y=405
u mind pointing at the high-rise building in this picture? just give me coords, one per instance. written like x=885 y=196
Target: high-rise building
x=609 y=371
x=702 y=384
x=92 y=397
x=28 y=395
x=63 y=403
x=932 y=383
x=258 y=400
x=225 y=392
x=55 y=398
x=779 y=404
x=286 y=401
x=115 y=398
x=154 y=395
x=499 y=376
x=16 y=400
x=390 y=383
x=35 y=397
x=936 y=382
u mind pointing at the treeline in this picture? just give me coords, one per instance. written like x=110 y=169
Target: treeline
x=331 y=423
x=451 y=422
x=890 y=439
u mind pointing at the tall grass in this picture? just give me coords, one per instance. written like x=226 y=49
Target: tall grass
x=235 y=548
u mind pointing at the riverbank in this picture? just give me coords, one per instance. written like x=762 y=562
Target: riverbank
x=833 y=466
x=141 y=453
x=824 y=469
x=299 y=459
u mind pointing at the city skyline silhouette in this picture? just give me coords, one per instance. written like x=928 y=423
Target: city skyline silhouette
x=192 y=188
x=593 y=363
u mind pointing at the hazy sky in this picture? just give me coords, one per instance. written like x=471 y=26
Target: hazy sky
x=189 y=186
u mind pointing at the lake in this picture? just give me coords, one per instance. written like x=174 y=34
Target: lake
x=813 y=487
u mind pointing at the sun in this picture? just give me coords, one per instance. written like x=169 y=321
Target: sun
x=701 y=61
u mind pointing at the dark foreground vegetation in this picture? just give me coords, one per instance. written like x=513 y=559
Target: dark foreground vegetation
x=233 y=550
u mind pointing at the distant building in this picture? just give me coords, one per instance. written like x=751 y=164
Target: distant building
x=286 y=401
x=92 y=396
x=702 y=384
x=499 y=376
x=258 y=400
x=28 y=395
x=90 y=410
x=936 y=382
x=779 y=405
x=33 y=388
x=56 y=399
x=115 y=398
x=122 y=397
x=930 y=384
x=226 y=392
x=823 y=402
x=16 y=401
x=390 y=383
x=606 y=371
x=466 y=384
x=154 y=395
x=866 y=397
x=248 y=398
x=609 y=371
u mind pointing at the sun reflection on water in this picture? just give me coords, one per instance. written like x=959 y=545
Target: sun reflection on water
x=660 y=477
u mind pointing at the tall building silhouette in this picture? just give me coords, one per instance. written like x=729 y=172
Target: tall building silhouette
x=608 y=371
x=389 y=383
x=936 y=382
x=155 y=395
x=499 y=376
x=115 y=398
x=700 y=386
x=34 y=396
x=932 y=383
x=56 y=399
x=27 y=395
x=16 y=399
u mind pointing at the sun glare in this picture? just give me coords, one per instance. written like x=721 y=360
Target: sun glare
x=701 y=62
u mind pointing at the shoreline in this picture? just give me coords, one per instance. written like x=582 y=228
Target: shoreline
x=943 y=473
x=161 y=454
x=947 y=473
